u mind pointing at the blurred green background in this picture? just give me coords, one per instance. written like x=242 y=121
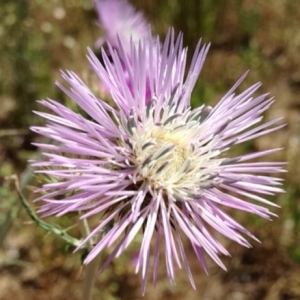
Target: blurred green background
x=39 y=37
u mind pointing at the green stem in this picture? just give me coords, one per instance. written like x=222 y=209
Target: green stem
x=91 y=271
x=61 y=233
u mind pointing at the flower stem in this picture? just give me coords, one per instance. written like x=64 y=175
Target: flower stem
x=90 y=278
x=90 y=269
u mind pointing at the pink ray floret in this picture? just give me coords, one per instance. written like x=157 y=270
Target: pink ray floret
x=156 y=167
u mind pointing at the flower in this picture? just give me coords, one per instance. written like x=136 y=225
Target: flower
x=121 y=24
x=158 y=167
x=119 y=18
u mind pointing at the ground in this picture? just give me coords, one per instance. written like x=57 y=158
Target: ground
x=41 y=37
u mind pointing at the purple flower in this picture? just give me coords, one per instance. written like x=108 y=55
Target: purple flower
x=118 y=18
x=121 y=24
x=159 y=168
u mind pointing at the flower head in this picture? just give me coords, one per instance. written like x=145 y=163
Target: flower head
x=158 y=167
x=119 y=18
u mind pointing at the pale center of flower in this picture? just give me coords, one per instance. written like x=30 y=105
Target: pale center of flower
x=163 y=156
x=171 y=151
x=178 y=155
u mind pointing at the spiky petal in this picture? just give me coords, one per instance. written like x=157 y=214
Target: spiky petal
x=156 y=167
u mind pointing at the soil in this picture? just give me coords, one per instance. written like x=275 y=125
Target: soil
x=40 y=37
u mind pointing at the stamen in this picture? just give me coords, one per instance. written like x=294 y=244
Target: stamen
x=170 y=119
x=185 y=166
x=162 y=167
x=148 y=144
x=178 y=127
x=162 y=152
x=173 y=95
x=223 y=126
x=149 y=106
x=206 y=112
x=131 y=124
x=161 y=113
x=146 y=161
x=229 y=161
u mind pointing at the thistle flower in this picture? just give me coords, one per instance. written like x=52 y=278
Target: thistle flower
x=159 y=167
x=118 y=18
x=120 y=22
